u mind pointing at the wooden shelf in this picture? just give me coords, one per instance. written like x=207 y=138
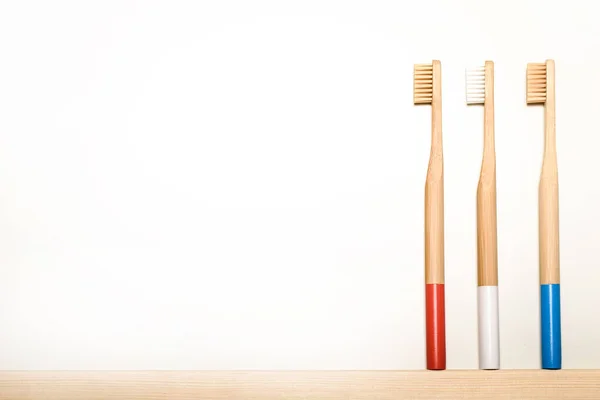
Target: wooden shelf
x=306 y=385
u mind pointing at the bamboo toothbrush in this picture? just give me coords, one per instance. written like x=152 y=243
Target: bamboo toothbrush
x=540 y=89
x=428 y=90
x=480 y=90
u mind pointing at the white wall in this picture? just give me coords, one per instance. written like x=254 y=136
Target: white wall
x=207 y=185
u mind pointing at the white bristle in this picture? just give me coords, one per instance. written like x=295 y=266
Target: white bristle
x=475 y=82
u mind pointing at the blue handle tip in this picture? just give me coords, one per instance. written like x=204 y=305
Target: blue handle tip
x=550 y=326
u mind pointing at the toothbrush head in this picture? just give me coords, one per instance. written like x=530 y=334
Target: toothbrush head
x=475 y=85
x=536 y=83
x=423 y=84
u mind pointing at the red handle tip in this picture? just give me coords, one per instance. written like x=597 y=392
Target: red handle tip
x=435 y=326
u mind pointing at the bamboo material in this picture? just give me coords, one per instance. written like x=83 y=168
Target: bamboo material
x=434 y=189
x=306 y=385
x=480 y=90
x=548 y=191
x=487 y=249
x=428 y=90
x=540 y=89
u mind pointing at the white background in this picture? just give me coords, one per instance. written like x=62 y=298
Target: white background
x=215 y=185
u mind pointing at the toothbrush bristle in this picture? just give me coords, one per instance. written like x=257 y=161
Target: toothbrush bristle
x=475 y=85
x=423 y=84
x=536 y=83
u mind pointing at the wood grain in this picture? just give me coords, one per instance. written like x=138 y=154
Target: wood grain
x=306 y=385
x=548 y=190
x=487 y=247
x=434 y=189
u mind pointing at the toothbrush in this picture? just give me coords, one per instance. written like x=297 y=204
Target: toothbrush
x=540 y=89
x=480 y=90
x=428 y=90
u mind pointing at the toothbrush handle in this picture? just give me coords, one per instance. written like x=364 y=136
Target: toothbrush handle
x=549 y=268
x=434 y=235
x=487 y=247
x=549 y=236
x=487 y=267
x=435 y=321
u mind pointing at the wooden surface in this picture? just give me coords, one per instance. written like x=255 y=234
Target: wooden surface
x=307 y=385
x=434 y=189
x=487 y=250
x=548 y=191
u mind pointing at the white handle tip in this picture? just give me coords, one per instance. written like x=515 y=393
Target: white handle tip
x=488 y=321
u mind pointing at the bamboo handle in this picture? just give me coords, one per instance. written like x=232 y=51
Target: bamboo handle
x=549 y=241
x=434 y=190
x=548 y=191
x=434 y=230
x=435 y=323
x=487 y=250
x=550 y=324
